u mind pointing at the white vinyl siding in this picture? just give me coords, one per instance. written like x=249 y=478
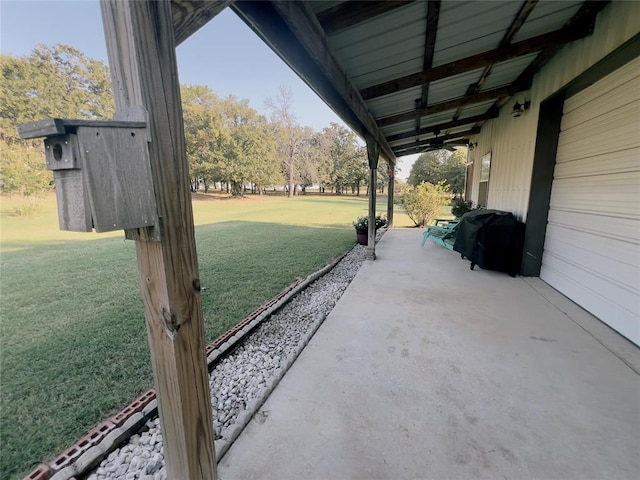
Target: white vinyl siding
x=592 y=245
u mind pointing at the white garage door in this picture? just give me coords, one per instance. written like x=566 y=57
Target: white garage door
x=592 y=246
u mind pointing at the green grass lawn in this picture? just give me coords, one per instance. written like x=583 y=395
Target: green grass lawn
x=73 y=345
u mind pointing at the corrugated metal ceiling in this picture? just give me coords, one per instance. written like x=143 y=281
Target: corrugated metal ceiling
x=548 y=15
x=505 y=73
x=469 y=28
x=384 y=48
x=407 y=86
x=390 y=104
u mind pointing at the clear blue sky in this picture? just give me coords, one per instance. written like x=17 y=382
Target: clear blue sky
x=225 y=54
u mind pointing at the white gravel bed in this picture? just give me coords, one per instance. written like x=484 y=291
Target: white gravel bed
x=241 y=378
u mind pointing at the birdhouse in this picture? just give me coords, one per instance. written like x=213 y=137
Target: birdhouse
x=101 y=170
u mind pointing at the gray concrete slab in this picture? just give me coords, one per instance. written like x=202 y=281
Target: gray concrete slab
x=427 y=370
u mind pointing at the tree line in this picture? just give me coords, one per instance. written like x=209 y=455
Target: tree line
x=229 y=144
x=440 y=167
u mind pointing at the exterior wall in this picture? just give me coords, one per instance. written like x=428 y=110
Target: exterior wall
x=512 y=140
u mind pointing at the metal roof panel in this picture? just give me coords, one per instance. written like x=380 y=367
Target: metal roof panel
x=409 y=17
x=322 y=5
x=478 y=108
x=391 y=64
x=469 y=28
x=394 y=103
x=547 y=16
x=437 y=118
x=410 y=126
x=396 y=128
x=452 y=87
x=384 y=47
x=505 y=73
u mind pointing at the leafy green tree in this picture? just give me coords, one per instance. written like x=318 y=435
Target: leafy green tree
x=56 y=81
x=359 y=169
x=22 y=169
x=206 y=136
x=453 y=170
x=251 y=153
x=346 y=162
x=423 y=203
x=426 y=168
x=440 y=166
x=227 y=140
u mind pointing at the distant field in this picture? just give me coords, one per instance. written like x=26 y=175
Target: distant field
x=73 y=345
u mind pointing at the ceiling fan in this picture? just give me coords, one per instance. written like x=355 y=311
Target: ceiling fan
x=437 y=143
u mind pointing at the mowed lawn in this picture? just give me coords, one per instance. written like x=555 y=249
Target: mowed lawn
x=73 y=345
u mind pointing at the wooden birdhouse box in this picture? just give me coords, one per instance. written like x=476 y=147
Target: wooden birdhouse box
x=102 y=173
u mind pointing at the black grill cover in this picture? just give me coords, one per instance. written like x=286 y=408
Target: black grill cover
x=491 y=239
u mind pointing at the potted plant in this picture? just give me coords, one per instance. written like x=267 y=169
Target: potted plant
x=459 y=207
x=362 y=227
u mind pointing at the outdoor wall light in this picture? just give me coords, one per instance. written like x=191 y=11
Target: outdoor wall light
x=520 y=107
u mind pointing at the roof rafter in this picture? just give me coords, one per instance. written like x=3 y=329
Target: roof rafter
x=531 y=45
x=491 y=113
x=518 y=21
x=431 y=29
x=188 y=16
x=433 y=17
x=347 y=14
x=521 y=17
x=585 y=18
x=452 y=104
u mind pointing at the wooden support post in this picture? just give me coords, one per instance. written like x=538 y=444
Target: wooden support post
x=141 y=48
x=390 y=189
x=373 y=152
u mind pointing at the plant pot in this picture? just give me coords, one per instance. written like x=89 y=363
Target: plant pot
x=362 y=237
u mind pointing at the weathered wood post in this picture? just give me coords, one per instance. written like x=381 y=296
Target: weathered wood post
x=390 y=189
x=141 y=48
x=373 y=153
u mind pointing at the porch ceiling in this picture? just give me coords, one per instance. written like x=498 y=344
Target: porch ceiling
x=404 y=72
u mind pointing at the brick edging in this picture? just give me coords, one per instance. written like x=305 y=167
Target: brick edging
x=101 y=440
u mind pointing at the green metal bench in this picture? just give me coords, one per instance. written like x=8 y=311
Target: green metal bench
x=442 y=233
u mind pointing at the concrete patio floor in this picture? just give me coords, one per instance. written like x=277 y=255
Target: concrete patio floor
x=427 y=370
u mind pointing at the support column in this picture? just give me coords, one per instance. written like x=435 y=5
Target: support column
x=390 y=189
x=373 y=153
x=141 y=48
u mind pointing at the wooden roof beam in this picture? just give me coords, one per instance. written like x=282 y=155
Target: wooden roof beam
x=348 y=14
x=556 y=38
x=585 y=19
x=452 y=104
x=433 y=17
x=521 y=17
x=188 y=16
x=489 y=114
x=516 y=25
x=431 y=29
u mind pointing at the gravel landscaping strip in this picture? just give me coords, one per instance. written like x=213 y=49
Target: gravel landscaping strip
x=243 y=379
